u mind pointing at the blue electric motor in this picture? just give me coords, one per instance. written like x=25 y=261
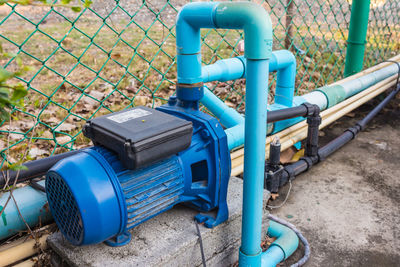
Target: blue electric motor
x=136 y=171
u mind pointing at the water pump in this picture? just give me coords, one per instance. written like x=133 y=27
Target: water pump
x=143 y=163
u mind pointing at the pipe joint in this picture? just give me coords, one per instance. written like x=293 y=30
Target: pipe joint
x=312 y=110
x=287 y=240
x=255 y=22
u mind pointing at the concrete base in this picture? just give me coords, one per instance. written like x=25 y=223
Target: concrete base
x=170 y=239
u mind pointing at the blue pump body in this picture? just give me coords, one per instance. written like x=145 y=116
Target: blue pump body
x=93 y=198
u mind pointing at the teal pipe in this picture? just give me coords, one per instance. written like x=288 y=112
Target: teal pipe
x=190 y=19
x=325 y=97
x=224 y=70
x=357 y=37
x=228 y=117
x=285 y=244
x=257 y=26
x=254 y=161
x=282 y=61
x=32 y=205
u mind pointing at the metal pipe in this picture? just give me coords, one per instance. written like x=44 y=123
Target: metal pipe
x=357 y=36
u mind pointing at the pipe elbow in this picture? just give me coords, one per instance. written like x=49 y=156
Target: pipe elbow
x=287 y=240
x=284 y=59
x=255 y=22
x=189 y=20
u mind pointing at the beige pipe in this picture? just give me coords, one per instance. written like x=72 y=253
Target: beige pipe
x=368 y=71
x=22 y=251
x=28 y=263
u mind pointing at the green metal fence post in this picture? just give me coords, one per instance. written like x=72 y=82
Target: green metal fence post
x=357 y=36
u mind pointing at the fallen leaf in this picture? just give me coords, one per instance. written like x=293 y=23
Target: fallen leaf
x=287 y=155
x=66 y=127
x=90 y=101
x=140 y=100
x=274 y=196
x=36 y=152
x=63 y=139
x=96 y=94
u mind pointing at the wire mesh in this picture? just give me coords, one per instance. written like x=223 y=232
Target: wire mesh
x=118 y=54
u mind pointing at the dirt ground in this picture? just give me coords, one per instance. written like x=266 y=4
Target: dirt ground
x=348 y=207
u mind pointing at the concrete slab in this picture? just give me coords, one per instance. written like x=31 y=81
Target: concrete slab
x=170 y=239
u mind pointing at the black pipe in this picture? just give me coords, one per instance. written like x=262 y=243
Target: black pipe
x=351 y=132
x=275 y=152
x=287 y=113
x=304 y=110
x=275 y=180
x=313 y=122
x=35 y=168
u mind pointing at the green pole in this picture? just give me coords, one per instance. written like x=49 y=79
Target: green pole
x=357 y=37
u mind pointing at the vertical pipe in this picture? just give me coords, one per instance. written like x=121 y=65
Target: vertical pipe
x=357 y=37
x=254 y=154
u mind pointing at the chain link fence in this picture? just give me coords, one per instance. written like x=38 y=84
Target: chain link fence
x=119 y=54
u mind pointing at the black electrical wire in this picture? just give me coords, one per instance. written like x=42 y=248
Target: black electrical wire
x=203 y=258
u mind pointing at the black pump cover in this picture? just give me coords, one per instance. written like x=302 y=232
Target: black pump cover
x=140 y=135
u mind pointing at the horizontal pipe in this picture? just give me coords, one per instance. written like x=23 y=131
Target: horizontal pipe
x=22 y=251
x=298 y=132
x=328 y=117
x=324 y=97
x=305 y=163
x=350 y=133
x=224 y=70
x=288 y=113
x=34 y=169
x=32 y=204
x=281 y=61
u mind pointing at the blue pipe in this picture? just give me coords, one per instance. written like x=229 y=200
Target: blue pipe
x=32 y=205
x=257 y=26
x=284 y=246
x=254 y=160
x=190 y=19
x=228 y=117
x=282 y=61
x=224 y=70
